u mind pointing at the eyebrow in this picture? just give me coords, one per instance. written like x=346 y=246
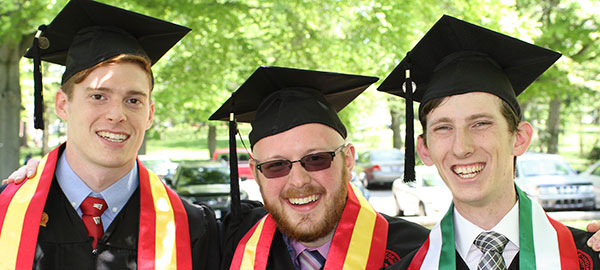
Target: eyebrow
x=110 y=90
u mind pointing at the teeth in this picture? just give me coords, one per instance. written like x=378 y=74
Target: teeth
x=305 y=200
x=113 y=137
x=468 y=172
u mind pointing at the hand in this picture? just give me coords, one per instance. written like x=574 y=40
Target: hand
x=594 y=241
x=27 y=171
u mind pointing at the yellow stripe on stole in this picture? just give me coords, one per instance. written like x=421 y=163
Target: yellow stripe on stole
x=15 y=218
x=360 y=243
x=165 y=249
x=251 y=246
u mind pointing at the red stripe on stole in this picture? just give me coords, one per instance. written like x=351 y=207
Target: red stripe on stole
x=566 y=245
x=5 y=198
x=182 y=231
x=236 y=262
x=419 y=257
x=33 y=216
x=264 y=243
x=378 y=243
x=343 y=233
x=147 y=234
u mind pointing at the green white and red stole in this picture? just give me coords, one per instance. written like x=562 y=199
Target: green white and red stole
x=164 y=238
x=549 y=246
x=359 y=241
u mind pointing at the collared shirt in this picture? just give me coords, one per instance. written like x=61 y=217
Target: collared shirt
x=465 y=233
x=116 y=196
x=295 y=248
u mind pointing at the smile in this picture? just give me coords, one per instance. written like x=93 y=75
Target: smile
x=113 y=137
x=304 y=200
x=468 y=171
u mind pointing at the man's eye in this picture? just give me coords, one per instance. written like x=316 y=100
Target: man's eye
x=133 y=101
x=482 y=123
x=97 y=97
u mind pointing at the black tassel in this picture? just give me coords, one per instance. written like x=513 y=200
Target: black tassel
x=409 y=143
x=38 y=115
x=233 y=166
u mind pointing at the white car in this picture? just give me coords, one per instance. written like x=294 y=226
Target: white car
x=161 y=165
x=592 y=173
x=428 y=195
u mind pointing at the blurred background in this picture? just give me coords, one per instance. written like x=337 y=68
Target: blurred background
x=230 y=39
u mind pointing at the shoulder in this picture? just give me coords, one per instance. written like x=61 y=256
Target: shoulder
x=588 y=258
x=235 y=229
x=404 y=237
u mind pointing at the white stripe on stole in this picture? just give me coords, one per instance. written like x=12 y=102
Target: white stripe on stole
x=432 y=259
x=545 y=239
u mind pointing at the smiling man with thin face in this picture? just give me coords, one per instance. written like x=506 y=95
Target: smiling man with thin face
x=467 y=80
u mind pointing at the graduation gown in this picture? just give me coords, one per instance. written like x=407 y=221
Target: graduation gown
x=588 y=259
x=403 y=237
x=63 y=241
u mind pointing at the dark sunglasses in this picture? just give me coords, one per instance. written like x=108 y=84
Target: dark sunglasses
x=312 y=162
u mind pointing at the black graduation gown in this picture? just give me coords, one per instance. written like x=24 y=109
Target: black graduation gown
x=63 y=242
x=588 y=259
x=403 y=237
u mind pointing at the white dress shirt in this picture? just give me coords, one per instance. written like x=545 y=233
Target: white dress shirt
x=465 y=233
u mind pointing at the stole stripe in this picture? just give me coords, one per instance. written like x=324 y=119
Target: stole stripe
x=379 y=243
x=343 y=233
x=264 y=243
x=165 y=249
x=419 y=257
x=34 y=212
x=240 y=249
x=566 y=244
x=527 y=257
x=146 y=241
x=249 y=253
x=182 y=231
x=360 y=241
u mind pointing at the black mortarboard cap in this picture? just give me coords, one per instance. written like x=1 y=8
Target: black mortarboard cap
x=456 y=57
x=86 y=33
x=276 y=99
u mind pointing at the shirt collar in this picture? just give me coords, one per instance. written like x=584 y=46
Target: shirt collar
x=116 y=196
x=465 y=232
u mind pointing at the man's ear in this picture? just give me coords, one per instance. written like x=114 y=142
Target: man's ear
x=523 y=138
x=253 y=170
x=423 y=151
x=61 y=104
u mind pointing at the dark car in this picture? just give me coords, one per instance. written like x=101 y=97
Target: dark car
x=380 y=166
x=206 y=183
x=243 y=161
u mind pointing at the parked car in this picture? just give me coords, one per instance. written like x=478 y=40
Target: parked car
x=380 y=166
x=549 y=179
x=592 y=173
x=161 y=165
x=243 y=161
x=357 y=183
x=205 y=182
x=428 y=195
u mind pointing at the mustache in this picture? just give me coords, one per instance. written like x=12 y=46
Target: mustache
x=302 y=192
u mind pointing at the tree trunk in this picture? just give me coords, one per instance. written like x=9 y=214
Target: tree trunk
x=212 y=140
x=23 y=134
x=553 y=125
x=10 y=105
x=396 y=132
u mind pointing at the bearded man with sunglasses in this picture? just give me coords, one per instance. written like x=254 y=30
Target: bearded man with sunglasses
x=312 y=217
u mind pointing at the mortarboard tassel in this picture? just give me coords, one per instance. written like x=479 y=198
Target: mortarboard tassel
x=409 y=143
x=233 y=165
x=38 y=115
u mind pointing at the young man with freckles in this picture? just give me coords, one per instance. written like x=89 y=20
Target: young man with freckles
x=467 y=79
x=92 y=204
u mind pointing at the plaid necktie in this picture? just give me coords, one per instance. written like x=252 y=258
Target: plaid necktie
x=311 y=260
x=92 y=209
x=491 y=244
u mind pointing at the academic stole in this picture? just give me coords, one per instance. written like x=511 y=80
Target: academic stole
x=549 y=246
x=164 y=239
x=359 y=241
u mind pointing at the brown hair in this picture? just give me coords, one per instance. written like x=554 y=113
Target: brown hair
x=143 y=61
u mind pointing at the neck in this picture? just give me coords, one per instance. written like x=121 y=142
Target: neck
x=97 y=177
x=319 y=242
x=488 y=214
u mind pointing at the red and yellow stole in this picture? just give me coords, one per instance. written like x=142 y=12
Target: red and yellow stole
x=359 y=241
x=164 y=238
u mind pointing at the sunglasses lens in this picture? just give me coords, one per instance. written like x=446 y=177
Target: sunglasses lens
x=317 y=162
x=275 y=168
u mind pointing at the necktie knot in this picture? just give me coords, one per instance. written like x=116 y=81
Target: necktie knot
x=491 y=244
x=92 y=209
